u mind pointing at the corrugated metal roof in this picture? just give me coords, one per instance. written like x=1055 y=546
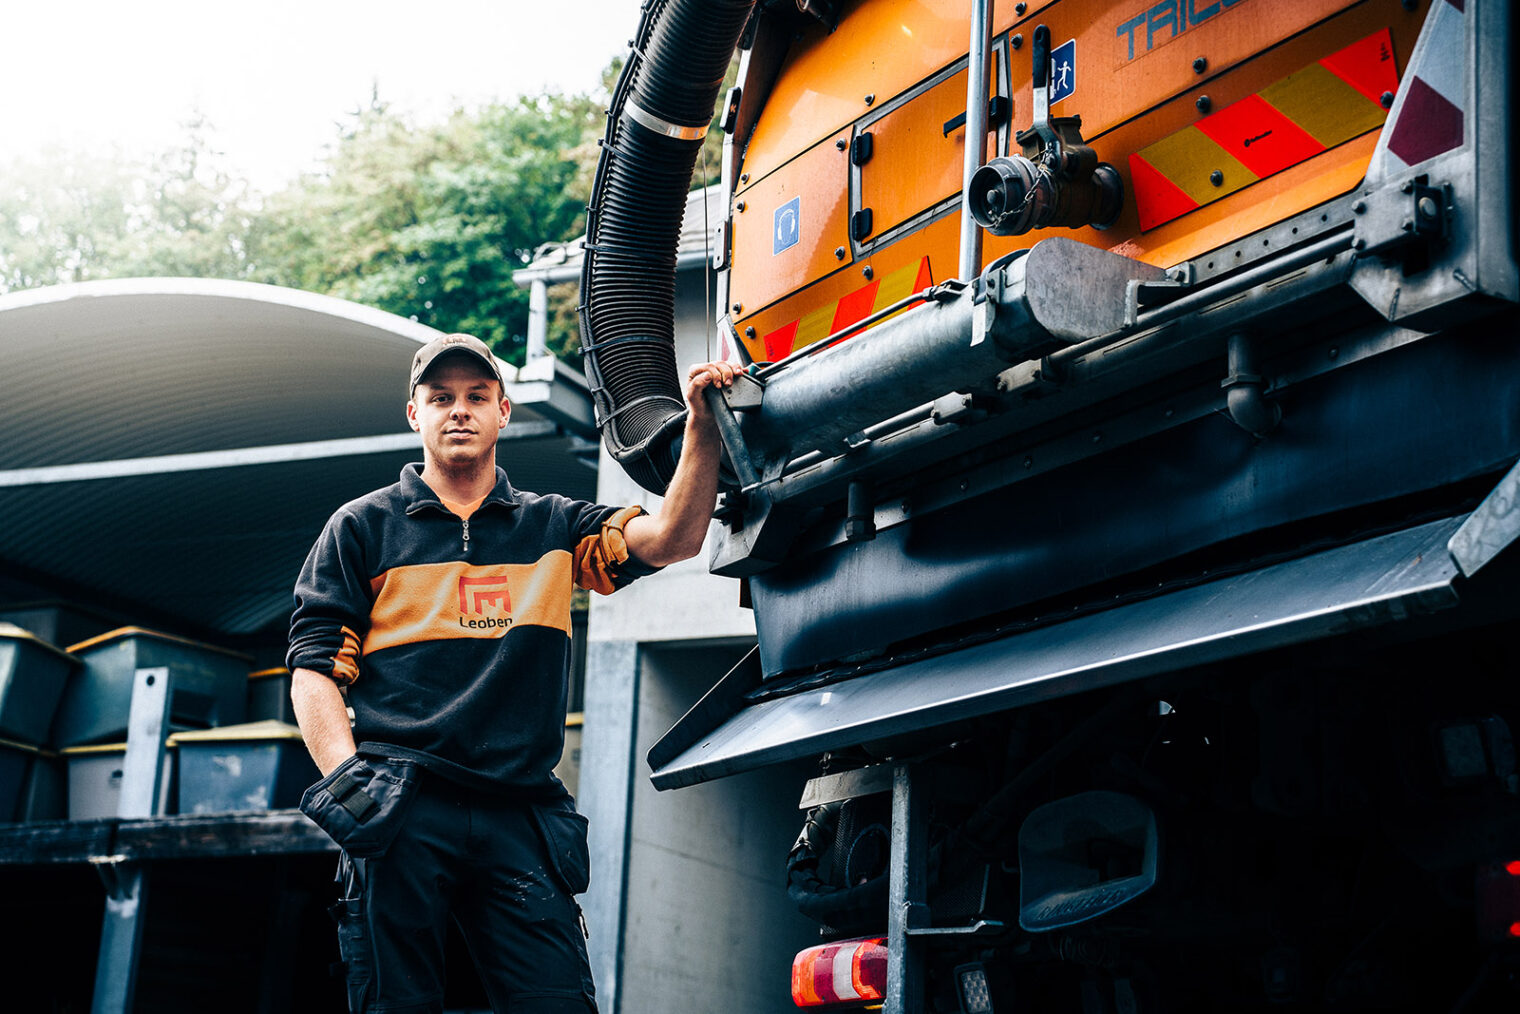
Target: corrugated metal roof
x=137 y=369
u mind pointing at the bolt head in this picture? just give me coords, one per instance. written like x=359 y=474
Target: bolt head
x=1020 y=8
x=1204 y=103
x=1200 y=65
x=1359 y=206
x=1017 y=42
x=1217 y=178
x=870 y=98
x=867 y=271
x=739 y=207
x=841 y=144
x=839 y=253
x=738 y=307
x=1386 y=100
x=749 y=332
x=744 y=177
x=1429 y=208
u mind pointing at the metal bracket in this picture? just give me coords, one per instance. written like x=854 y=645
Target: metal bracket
x=1389 y=218
x=732 y=438
x=1491 y=529
x=980 y=928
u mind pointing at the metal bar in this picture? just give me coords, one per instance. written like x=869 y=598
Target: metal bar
x=147 y=723
x=906 y=909
x=273 y=454
x=120 y=937
x=127 y=882
x=1490 y=529
x=732 y=438
x=978 y=69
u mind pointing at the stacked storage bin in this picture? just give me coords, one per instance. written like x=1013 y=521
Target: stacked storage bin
x=209 y=689
x=33 y=677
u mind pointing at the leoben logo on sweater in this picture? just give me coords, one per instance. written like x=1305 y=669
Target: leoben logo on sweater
x=486 y=600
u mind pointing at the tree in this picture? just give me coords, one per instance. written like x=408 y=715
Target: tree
x=60 y=214
x=69 y=216
x=430 y=222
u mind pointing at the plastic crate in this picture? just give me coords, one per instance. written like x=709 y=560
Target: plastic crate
x=269 y=696
x=15 y=768
x=95 y=774
x=33 y=676
x=209 y=685
x=31 y=783
x=256 y=766
x=57 y=623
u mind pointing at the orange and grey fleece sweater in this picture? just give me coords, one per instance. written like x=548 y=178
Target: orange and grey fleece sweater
x=453 y=635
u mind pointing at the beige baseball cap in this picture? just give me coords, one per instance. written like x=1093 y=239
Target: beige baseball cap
x=446 y=345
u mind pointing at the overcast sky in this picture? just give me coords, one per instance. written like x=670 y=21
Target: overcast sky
x=274 y=76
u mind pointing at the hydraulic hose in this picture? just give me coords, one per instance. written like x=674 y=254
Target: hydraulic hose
x=661 y=106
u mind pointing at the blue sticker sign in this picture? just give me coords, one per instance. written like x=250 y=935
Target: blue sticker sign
x=1063 y=70
x=788 y=226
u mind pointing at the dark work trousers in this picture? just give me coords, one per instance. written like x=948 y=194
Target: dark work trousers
x=494 y=867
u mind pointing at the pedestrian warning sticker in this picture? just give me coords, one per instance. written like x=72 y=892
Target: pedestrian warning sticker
x=1063 y=70
x=788 y=226
x=1290 y=121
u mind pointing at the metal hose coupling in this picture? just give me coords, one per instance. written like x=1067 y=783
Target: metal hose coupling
x=1010 y=196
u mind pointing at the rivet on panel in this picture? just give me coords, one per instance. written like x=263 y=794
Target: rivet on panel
x=841 y=144
x=739 y=207
x=1200 y=65
x=1386 y=100
x=1017 y=42
x=1217 y=178
x=867 y=271
x=1204 y=103
x=839 y=253
x=870 y=98
x=749 y=332
x=738 y=307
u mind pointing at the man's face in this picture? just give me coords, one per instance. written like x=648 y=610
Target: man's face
x=459 y=409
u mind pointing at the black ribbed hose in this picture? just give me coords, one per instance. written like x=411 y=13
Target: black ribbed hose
x=633 y=227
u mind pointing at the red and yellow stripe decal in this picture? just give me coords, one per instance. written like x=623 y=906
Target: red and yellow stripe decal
x=848 y=309
x=1288 y=122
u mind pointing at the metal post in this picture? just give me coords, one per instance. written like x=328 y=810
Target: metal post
x=538 y=320
x=907 y=908
x=127 y=882
x=978 y=70
x=147 y=723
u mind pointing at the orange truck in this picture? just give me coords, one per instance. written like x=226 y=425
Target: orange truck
x=1123 y=478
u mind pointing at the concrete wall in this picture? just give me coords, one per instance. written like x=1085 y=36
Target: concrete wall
x=687 y=909
x=707 y=925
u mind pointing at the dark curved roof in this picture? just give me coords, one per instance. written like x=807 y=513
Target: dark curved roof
x=172 y=446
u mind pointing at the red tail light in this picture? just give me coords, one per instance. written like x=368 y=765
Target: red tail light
x=850 y=973
x=1498 y=897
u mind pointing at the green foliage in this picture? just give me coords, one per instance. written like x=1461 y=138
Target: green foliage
x=425 y=220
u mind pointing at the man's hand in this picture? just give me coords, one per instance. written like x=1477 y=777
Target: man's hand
x=702 y=376
x=675 y=532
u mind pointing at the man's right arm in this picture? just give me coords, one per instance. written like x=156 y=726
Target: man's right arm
x=331 y=611
x=323 y=718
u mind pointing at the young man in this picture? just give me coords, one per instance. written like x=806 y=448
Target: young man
x=442 y=605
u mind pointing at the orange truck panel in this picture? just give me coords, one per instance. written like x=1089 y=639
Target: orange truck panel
x=1294 y=103
x=815 y=188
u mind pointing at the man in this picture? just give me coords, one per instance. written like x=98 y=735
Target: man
x=442 y=605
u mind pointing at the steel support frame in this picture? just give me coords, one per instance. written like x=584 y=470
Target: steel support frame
x=126 y=882
x=907 y=892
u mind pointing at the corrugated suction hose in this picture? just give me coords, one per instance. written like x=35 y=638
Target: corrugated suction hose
x=661 y=106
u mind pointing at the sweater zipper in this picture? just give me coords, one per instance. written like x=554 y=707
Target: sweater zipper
x=465 y=546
